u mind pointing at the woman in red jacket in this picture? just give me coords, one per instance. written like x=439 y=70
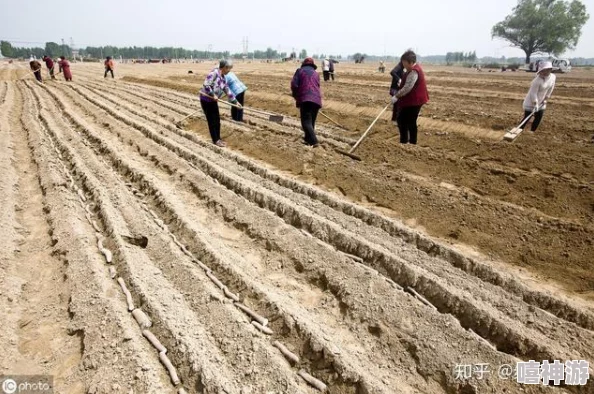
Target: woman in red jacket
x=65 y=68
x=410 y=98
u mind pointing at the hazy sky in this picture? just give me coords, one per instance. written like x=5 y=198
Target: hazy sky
x=320 y=26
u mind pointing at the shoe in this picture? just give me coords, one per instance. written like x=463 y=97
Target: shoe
x=221 y=143
x=395 y=123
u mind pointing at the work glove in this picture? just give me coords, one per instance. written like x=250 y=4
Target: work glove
x=394 y=99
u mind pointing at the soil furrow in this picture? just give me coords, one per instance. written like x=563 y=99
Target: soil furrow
x=322 y=358
x=164 y=201
x=186 y=342
x=531 y=347
x=425 y=244
x=114 y=357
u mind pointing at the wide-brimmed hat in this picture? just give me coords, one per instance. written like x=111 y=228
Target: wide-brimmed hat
x=308 y=61
x=545 y=66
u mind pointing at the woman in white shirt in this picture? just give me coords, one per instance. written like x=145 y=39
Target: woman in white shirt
x=540 y=91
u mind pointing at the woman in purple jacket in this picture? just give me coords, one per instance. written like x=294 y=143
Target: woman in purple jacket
x=305 y=88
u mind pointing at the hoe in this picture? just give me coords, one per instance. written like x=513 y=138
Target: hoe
x=350 y=152
x=516 y=131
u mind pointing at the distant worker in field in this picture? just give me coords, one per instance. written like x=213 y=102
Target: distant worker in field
x=214 y=86
x=332 y=68
x=410 y=98
x=305 y=88
x=65 y=68
x=382 y=67
x=396 y=73
x=36 y=68
x=326 y=69
x=49 y=63
x=238 y=89
x=109 y=66
x=541 y=89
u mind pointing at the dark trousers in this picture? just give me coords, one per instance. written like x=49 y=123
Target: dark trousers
x=395 y=112
x=236 y=113
x=407 y=124
x=332 y=74
x=108 y=70
x=211 y=110
x=326 y=75
x=537 y=118
x=51 y=72
x=309 y=113
x=38 y=75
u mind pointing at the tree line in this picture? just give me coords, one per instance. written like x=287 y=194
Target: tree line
x=53 y=49
x=460 y=57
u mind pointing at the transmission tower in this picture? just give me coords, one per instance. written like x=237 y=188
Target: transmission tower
x=245 y=46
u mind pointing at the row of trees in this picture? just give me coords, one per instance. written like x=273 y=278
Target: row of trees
x=54 y=50
x=51 y=49
x=460 y=57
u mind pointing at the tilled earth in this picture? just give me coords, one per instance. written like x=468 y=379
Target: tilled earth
x=377 y=276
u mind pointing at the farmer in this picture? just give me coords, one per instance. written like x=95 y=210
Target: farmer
x=214 y=86
x=326 y=69
x=238 y=89
x=332 y=68
x=109 y=66
x=36 y=68
x=382 y=67
x=65 y=68
x=410 y=98
x=49 y=63
x=305 y=88
x=396 y=74
x=540 y=91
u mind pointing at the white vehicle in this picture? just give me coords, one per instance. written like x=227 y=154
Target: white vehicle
x=561 y=65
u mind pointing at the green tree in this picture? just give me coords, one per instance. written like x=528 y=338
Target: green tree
x=6 y=49
x=52 y=49
x=303 y=54
x=543 y=26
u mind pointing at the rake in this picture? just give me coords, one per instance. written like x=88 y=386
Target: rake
x=332 y=120
x=516 y=131
x=271 y=117
x=350 y=152
x=178 y=123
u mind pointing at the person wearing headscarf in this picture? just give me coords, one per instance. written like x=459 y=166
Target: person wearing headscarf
x=305 y=88
x=215 y=85
x=540 y=91
x=65 y=68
